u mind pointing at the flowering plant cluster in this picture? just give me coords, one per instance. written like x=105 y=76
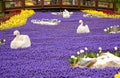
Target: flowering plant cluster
x=109 y=12
x=86 y=54
x=17 y=20
x=101 y=14
x=113 y=29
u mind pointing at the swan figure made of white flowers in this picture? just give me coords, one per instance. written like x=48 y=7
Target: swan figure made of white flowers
x=66 y=14
x=20 y=41
x=46 y=21
x=82 y=28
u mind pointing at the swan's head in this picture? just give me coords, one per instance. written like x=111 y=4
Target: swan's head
x=16 y=32
x=80 y=21
x=65 y=10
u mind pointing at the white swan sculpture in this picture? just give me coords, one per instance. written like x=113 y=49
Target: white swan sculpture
x=87 y=15
x=46 y=21
x=20 y=41
x=82 y=28
x=66 y=14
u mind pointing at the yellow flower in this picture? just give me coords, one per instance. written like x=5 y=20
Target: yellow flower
x=117 y=75
x=101 y=14
x=17 y=20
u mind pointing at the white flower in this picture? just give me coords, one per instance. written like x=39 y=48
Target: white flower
x=115 y=48
x=86 y=48
x=4 y=40
x=82 y=51
x=105 y=30
x=73 y=56
x=100 y=48
x=78 y=53
x=111 y=26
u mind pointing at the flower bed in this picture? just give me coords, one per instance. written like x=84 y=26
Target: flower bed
x=53 y=45
x=84 y=58
x=104 y=13
x=13 y=20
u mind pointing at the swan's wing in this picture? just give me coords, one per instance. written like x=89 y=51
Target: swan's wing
x=86 y=25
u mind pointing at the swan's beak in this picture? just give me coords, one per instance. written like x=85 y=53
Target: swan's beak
x=14 y=36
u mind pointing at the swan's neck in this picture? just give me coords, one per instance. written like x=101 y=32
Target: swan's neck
x=81 y=24
x=15 y=36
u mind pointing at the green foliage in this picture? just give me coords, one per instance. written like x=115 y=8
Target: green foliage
x=118 y=9
x=111 y=0
x=108 y=31
x=73 y=61
x=116 y=53
x=118 y=0
x=118 y=5
x=0 y=5
x=92 y=55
